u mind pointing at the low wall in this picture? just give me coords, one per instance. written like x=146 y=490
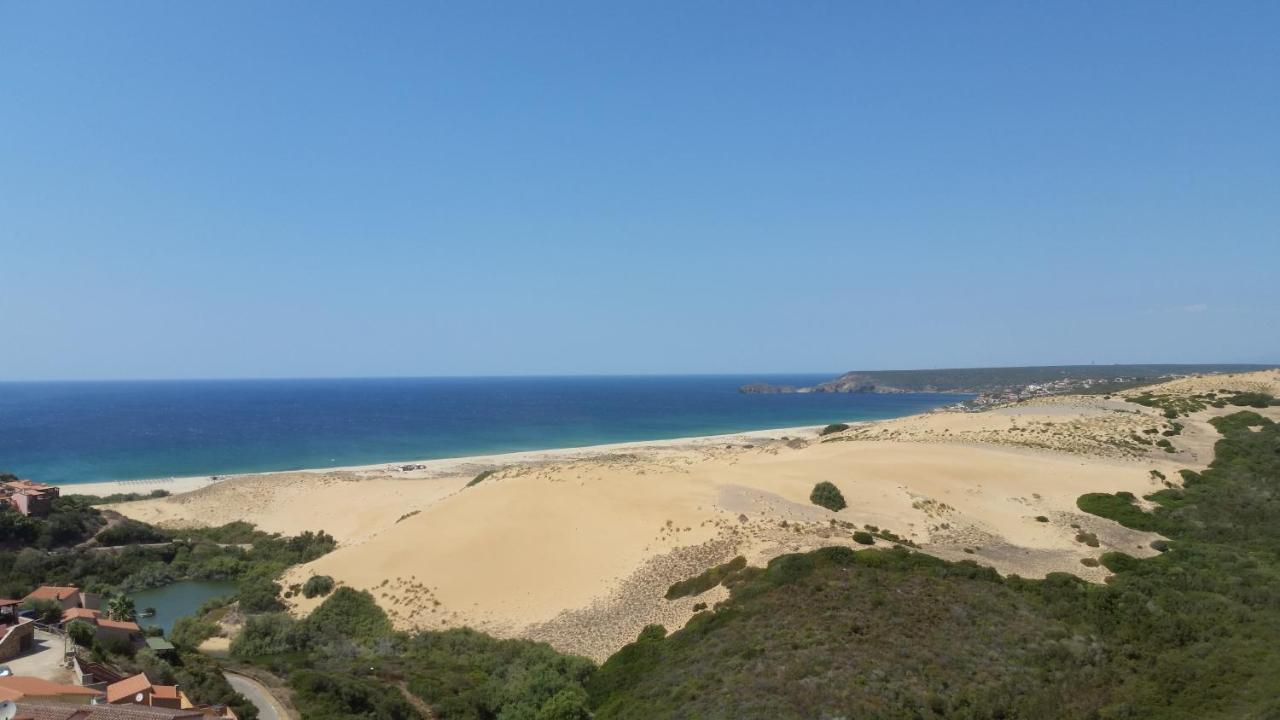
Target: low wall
x=17 y=640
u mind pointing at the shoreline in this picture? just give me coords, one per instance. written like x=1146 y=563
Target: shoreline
x=444 y=467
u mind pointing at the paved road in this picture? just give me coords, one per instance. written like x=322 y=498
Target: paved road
x=268 y=707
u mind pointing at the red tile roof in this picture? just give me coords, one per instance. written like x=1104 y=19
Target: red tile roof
x=119 y=625
x=52 y=592
x=126 y=689
x=15 y=687
x=79 y=614
x=61 y=711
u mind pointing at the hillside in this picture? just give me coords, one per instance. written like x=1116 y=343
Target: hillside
x=1002 y=379
x=893 y=634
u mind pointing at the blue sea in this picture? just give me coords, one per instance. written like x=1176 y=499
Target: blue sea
x=70 y=432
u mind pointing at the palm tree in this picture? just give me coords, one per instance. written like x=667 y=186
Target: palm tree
x=120 y=608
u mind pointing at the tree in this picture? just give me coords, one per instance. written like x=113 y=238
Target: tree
x=81 y=633
x=120 y=608
x=828 y=496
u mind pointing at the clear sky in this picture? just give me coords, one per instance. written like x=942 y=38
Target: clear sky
x=246 y=189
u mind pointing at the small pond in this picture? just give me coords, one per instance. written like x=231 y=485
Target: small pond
x=177 y=599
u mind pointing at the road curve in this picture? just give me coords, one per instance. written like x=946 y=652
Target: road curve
x=268 y=707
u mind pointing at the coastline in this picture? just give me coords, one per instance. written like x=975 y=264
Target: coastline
x=579 y=545
x=443 y=467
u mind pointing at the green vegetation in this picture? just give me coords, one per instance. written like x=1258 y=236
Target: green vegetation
x=863 y=537
x=81 y=633
x=479 y=478
x=131 y=532
x=1253 y=399
x=459 y=673
x=1187 y=633
x=317 y=585
x=720 y=574
x=833 y=428
x=828 y=496
x=118 y=497
x=71 y=521
x=338 y=696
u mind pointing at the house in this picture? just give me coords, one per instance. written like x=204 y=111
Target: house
x=43 y=710
x=27 y=497
x=17 y=638
x=104 y=627
x=140 y=691
x=66 y=596
x=15 y=688
x=122 y=630
x=9 y=611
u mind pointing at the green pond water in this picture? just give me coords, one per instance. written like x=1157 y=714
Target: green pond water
x=181 y=598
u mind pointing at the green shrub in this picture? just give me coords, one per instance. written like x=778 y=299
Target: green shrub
x=1042 y=518
x=1089 y=562
x=481 y=477
x=862 y=537
x=828 y=496
x=1253 y=399
x=341 y=696
x=188 y=632
x=1087 y=538
x=45 y=611
x=317 y=585
x=833 y=428
x=708 y=579
x=81 y=633
x=259 y=594
x=130 y=532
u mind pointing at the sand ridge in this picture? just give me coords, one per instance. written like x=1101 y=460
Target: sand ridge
x=579 y=550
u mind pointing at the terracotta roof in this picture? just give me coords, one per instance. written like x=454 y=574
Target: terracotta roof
x=39 y=687
x=168 y=692
x=7 y=603
x=52 y=592
x=127 y=688
x=119 y=624
x=61 y=711
x=79 y=614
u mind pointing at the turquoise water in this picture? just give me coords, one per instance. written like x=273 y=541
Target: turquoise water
x=177 y=599
x=69 y=432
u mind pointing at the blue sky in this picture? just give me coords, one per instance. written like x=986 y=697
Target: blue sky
x=242 y=189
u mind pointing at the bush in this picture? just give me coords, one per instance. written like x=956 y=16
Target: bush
x=481 y=477
x=1041 y=518
x=1090 y=562
x=189 y=632
x=1087 y=538
x=317 y=585
x=339 y=696
x=81 y=633
x=863 y=537
x=1253 y=399
x=130 y=532
x=828 y=496
x=833 y=428
x=259 y=594
x=46 y=611
x=707 y=580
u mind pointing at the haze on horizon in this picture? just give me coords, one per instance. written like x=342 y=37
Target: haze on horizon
x=293 y=190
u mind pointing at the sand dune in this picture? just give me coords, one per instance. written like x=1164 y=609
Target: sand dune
x=579 y=550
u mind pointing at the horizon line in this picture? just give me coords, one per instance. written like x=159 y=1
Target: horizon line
x=513 y=376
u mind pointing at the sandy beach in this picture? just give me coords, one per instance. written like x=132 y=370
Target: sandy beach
x=576 y=547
